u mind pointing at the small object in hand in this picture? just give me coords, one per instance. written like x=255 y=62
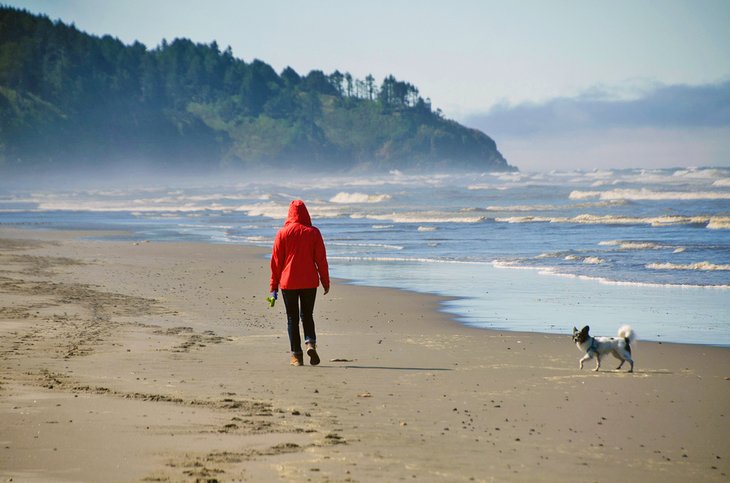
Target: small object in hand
x=271 y=299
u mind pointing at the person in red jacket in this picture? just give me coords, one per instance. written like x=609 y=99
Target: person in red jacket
x=298 y=265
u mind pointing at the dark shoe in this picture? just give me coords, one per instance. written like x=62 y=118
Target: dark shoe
x=297 y=360
x=312 y=353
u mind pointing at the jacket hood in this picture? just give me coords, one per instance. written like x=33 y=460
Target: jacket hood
x=298 y=214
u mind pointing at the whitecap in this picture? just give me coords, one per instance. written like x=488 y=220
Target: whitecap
x=526 y=219
x=528 y=208
x=480 y=186
x=702 y=266
x=367 y=245
x=279 y=211
x=599 y=174
x=586 y=260
x=633 y=245
x=344 y=198
x=599 y=183
x=719 y=223
x=582 y=195
x=553 y=272
x=699 y=173
x=715 y=222
x=644 y=194
x=549 y=255
x=519 y=208
x=421 y=217
x=269 y=210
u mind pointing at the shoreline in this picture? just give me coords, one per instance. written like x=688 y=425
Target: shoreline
x=508 y=300
x=162 y=362
x=458 y=306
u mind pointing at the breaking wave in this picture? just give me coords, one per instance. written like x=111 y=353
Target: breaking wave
x=719 y=223
x=528 y=208
x=713 y=222
x=421 y=217
x=553 y=271
x=704 y=266
x=279 y=211
x=634 y=245
x=345 y=198
x=367 y=245
x=644 y=194
x=586 y=260
x=699 y=173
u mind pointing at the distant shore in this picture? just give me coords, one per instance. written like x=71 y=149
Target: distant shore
x=162 y=362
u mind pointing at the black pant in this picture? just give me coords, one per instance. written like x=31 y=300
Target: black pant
x=300 y=301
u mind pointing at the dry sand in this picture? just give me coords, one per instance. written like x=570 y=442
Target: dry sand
x=163 y=362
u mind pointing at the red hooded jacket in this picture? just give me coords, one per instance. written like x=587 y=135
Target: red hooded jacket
x=299 y=259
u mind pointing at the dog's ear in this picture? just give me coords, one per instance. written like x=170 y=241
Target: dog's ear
x=574 y=329
x=586 y=329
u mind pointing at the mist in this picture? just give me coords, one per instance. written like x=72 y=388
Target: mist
x=661 y=127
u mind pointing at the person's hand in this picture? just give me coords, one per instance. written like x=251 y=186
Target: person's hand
x=275 y=295
x=326 y=290
x=271 y=299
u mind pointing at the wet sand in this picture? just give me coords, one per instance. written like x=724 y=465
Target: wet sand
x=163 y=362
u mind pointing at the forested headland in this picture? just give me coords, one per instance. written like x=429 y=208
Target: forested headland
x=70 y=99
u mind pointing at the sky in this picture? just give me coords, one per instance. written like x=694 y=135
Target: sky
x=559 y=84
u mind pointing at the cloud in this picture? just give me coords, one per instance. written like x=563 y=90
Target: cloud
x=663 y=107
x=643 y=147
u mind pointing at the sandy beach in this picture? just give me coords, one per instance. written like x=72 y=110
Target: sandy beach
x=163 y=362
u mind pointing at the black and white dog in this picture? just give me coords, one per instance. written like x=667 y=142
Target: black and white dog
x=597 y=347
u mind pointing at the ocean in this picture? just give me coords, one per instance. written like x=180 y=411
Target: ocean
x=538 y=252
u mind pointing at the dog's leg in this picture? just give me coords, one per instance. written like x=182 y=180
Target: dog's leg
x=626 y=356
x=586 y=357
x=620 y=357
x=598 y=362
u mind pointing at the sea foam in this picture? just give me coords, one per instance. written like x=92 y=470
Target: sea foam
x=704 y=266
x=713 y=222
x=554 y=272
x=528 y=208
x=420 y=217
x=367 y=245
x=644 y=194
x=346 y=198
x=634 y=245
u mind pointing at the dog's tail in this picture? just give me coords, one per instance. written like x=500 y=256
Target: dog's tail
x=626 y=332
